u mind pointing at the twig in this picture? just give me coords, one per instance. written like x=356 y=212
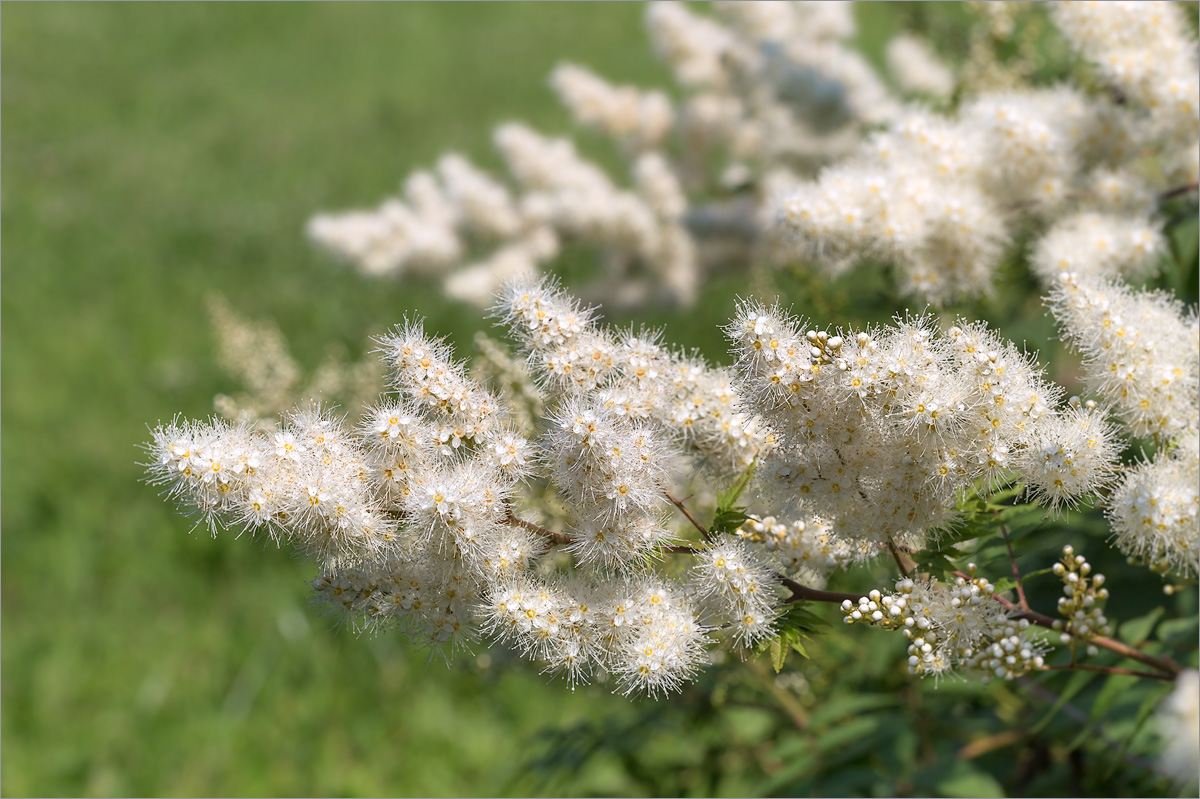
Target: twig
x=1013 y=560
x=695 y=523
x=557 y=538
x=1178 y=191
x=1162 y=664
x=905 y=563
x=801 y=593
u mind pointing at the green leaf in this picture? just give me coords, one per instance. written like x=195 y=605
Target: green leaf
x=1147 y=707
x=1135 y=631
x=778 y=654
x=1078 y=681
x=726 y=520
x=1114 y=687
x=802 y=620
x=1178 y=630
x=727 y=498
x=966 y=780
x=1029 y=576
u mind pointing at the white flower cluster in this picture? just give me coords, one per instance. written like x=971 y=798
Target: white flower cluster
x=1099 y=245
x=733 y=583
x=559 y=196
x=917 y=69
x=768 y=88
x=941 y=196
x=1155 y=511
x=640 y=120
x=1141 y=353
x=1082 y=607
x=412 y=515
x=638 y=630
x=878 y=431
x=307 y=482
x=952 y=627
x=1146 y=50
x=806 y=550
x=769 y=82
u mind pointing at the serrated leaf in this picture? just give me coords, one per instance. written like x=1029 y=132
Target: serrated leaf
x=727 y=498
x=726 y=520
x=778 y=654
x=1005 y=584
x=798 y=647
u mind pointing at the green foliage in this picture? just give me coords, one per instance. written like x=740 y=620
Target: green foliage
x=728 y=516
x=796 y=625
x=157 y=154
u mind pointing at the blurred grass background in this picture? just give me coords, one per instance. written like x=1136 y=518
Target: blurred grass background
x=153 y=155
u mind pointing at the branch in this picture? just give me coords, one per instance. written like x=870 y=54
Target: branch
x=557 y=538
x=801 y=593
x=905 y=563
x=1178 y=191
x=695 y=523
x=1104 y=642
x=1013 y=560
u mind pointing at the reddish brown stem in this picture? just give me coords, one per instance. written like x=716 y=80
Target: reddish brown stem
x=1013 y=560
x=557 y=538
x=695 y=522
x=905 y=563
x=1178 y=191
x=1104 y=642
x=803 y=592
x=677 y=549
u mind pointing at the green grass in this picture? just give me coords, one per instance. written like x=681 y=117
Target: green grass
x=153 y=155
